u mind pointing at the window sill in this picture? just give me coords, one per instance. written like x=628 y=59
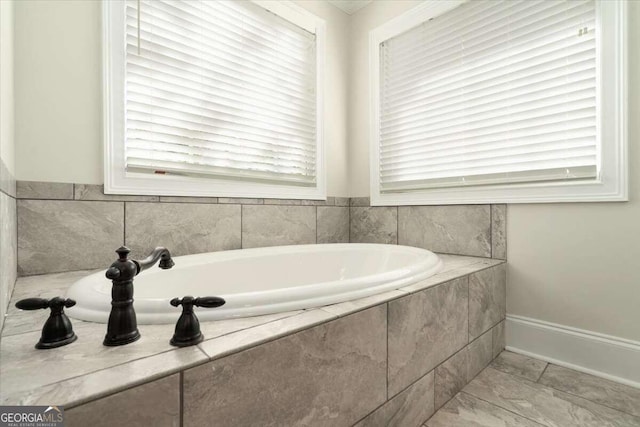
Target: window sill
x=608 y=190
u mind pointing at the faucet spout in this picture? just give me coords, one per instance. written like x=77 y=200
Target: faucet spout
x=122 y=327
x=158 y=253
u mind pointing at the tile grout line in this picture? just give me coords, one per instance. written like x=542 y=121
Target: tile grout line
x=469 y=311
x=241 y=218
x=491 y=230
x=396 y=395
x=387 y=358
x=349 y=216
x=464 y=347
x=124 y=224
x=397 y=225
x=500 y=407
x=181 y=407
x=543 y=371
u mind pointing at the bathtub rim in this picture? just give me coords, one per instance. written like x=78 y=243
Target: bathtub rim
x=158 y=311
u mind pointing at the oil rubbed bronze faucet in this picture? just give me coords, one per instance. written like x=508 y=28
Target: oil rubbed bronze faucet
x=123 y=327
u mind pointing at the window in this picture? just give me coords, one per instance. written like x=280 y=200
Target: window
x=213 y=98
x=499 y=101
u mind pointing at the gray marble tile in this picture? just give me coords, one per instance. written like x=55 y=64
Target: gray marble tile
x=599 y=390
x=218 y=328
x=450 y=274
x=333 y=224
x=28 y=286
x=7 y=180
x=455 y=229
x=467 y=411
x=96 y=192
x=480 y=354
x=19 y=360
x=278 y=225
x=156 y=403
x=342 y=201
x=56 y=236
x=499 y=231
x=598 y=415
x=360 y=201
x=348 y=307
x=181 y=199
x=43 y=286
x=182 y=228
x=8 y=251
x=44 y=190
x=452 y=262
x=424 y=330
x=543 y=404
x=498 y=339
x=330 y=375
x=410 y=408
x=519 y=365
x=240 y=201
x=374 y=225
x=290 y=202
x=234 y=342
x=329 y=201
x=487 y=299
x=451 y=377
x=82 y=389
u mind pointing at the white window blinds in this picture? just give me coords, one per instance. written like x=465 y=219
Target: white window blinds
x=219 y=88
x=490 y=92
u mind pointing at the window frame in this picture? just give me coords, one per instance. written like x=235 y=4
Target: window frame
x=611 y=69
x=118 y=181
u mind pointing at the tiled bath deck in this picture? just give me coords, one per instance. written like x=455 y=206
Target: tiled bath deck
x=86 y=370
x=518 y=391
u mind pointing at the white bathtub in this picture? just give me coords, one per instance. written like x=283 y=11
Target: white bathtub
x=261 y=281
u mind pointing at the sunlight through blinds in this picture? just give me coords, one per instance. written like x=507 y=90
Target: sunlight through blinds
x=219 y=88
x=491 y=92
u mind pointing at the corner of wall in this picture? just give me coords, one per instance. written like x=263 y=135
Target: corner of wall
x=8 y=215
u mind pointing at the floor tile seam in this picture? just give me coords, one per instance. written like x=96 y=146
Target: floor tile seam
x=503 y=408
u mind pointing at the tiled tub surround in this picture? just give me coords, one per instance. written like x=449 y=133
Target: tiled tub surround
x=67 y=227
x=389 y=359
x=8 y=237
x=55 y=219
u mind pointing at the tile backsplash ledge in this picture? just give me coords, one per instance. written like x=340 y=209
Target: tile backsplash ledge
x=66 y=226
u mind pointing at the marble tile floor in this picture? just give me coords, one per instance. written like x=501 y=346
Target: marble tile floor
x=518 y=391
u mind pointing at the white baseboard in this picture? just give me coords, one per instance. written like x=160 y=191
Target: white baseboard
x=597 y=354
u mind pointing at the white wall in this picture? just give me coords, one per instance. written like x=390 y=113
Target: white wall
x=335 y=129
x=6 y=85
x=57 y=91
x=59 y=102
x=363 y=21
x=8 y=220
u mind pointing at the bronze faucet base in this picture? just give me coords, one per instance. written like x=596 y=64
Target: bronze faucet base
x=121 y=339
